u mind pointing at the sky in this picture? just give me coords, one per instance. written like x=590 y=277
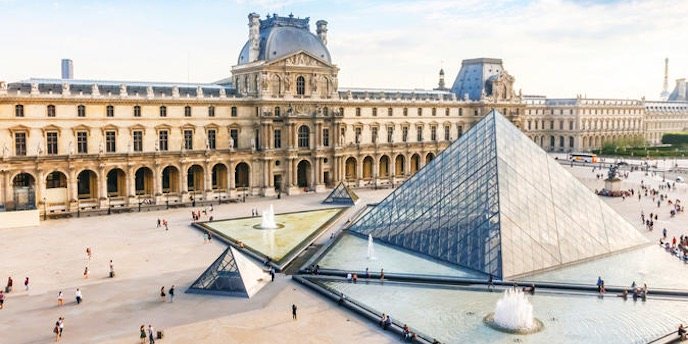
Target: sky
x=557 y=48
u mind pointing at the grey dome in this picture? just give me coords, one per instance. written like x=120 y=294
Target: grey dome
x=278 y=39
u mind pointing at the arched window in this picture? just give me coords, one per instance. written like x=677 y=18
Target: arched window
x=304 y=134
x=19 y=110
x=300 y=86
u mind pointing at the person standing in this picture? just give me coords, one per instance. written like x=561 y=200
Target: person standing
x=142 y=334
x=89 y=253
x=60 y=323
x=2 y=300
x=56 y=331
x=272 y=274
x=60 y=298
x=78 y=296
x=293 y=311
x=151 y=336
x=171 y=291
x=112 y=269
x=8 y=287
x=158 y=223
x=26 y=283
x=162 y=293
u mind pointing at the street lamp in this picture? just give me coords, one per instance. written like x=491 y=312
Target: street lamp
x=78 y=204
x=45 y=209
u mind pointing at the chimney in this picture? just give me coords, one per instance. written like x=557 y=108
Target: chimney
x=67 y=69
x=253 y=37
x=322 y=30
x=441 y=83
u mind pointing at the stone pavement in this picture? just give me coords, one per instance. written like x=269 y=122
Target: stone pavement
x=145 y=258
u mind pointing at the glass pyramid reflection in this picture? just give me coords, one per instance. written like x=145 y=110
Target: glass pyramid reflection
x=341 y=194
x=231 y=274
x=496 y=203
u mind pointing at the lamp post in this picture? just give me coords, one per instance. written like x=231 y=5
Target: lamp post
x=45 y=209
x=78 y=204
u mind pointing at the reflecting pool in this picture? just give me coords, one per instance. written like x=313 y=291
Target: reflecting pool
x=274 y=243
x=350 y=253
x=453 y=315
x=652 y=265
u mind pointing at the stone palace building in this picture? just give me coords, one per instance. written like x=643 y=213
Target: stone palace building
x=279 y=124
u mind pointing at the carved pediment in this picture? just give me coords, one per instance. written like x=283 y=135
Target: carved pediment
x=301 y=59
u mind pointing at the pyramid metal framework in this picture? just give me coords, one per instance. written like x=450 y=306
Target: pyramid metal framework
x=223 y=276
x=341 y=194
x=495 y=202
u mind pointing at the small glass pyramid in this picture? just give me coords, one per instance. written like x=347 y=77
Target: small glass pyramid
x=341 y=194
x=496 y=203
x=230 y=274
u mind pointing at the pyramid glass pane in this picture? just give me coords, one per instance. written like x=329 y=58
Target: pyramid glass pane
x=222 y=276
x=448 y=209
x=341 y=195
x=495 y=202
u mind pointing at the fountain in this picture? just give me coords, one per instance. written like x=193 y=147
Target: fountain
x=371 y=249
x=268 y=221
x=514 y=314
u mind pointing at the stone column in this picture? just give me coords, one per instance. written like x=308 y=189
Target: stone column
x=73 y=190
x=40 y=187
x=184 y=174
x=359 y=171
x=5 y=187
x=102 y=186
x=231 y=182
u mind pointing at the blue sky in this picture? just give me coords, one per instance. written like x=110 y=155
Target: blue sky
x=557 y=48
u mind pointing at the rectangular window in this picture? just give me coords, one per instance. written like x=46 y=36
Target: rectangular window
x=51 y=110
x=188 y=139
x=475 y=112
x=211 y=139
x=460 y=112
x=433 y=133
x=19 y=111
x=389 y=111
x=434 y=112
x=137 y=111
x=326 y=137
x=20 y=144
x=419 y=133
x=405 y=111
x=459 y=130
x=561 y=125
x=446 y=112
x=374 y=134
x=404 y=134
x=358 y=112
x=163 y=136
x=447 y=133
x=278 y=138
x=420 y=111
x=51 y=143
x=138 y=141
x=234 y=111
x=570 y=125
x=187 y=111
x=358 y=135
x=81 y=111
x=234 y=134
x=110 y=111
x=390 y=133
x=82 y=142
x=551 y=125
x=211 y=111
x=374 y=112
x=163 y=111
x=110 y=142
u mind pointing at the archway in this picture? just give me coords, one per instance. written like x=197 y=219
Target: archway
x=194 y=178
x=415 y=163
x=143 y=181
x=170 y=180
x=87 y=185
x=219 y=177
x=350 y=169
x=23 y=185
x=384 y=166
x=303 y=173
x=368 y=167
x=399 y=165
x=56 y=188
x=241 y=175
x=429 y=157
x=116 y=183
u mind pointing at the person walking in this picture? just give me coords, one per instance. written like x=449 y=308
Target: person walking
x=151 y=335
x=26 y=283
x=60 y=298
x=8 y=287
x=2 y=299
x=171 y=292
x=162 y=293
x=78 y=296
x=142 y=334
x=86 y=273
x=293 y=311
x=56 y=331
x=272 y=274
x=158 y=226
x=89 y=253
x=60 y=323
x=112 y=269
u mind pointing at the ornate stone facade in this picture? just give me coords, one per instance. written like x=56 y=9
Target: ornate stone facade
x=280 y=123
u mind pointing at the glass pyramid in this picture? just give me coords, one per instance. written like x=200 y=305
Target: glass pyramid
x=496 y=203
x=231 y=274
x=341 y=194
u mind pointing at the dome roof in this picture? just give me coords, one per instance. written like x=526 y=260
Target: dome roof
x=283 y=36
